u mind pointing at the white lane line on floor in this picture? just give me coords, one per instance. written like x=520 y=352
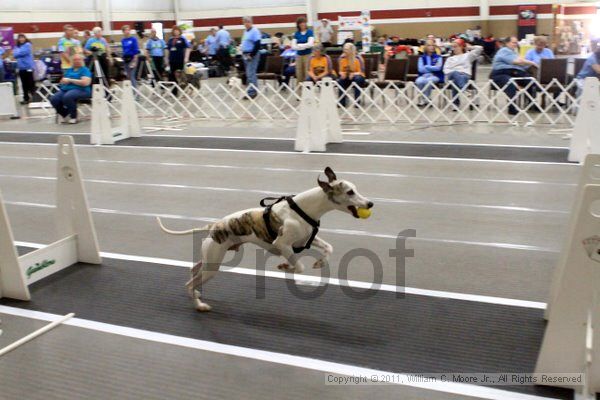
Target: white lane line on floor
x=272 y=193
x=481 y=392
x=299 y=279
x=323 y=154
x=501 y=245
x=303 y=170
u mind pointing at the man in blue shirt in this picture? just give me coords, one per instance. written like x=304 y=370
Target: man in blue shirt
x=75 y=85
x=506 y=66
x=250 y=47
x=590 y=69
x=131 y=50
x=155 y=51
x=211 y=43
x=540 y=51
x=223 y=39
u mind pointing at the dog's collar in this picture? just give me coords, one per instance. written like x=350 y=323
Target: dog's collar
x=294 y=206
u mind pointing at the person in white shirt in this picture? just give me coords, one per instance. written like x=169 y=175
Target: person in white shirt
x=458 y=67
x=325 y=33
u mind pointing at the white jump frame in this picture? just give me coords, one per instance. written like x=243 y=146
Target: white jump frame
x=571 y=341
x=74 y=225
x=129 y=124
x=318 y=120
x=585 y=139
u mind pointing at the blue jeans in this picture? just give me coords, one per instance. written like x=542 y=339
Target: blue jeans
x=422 y=82
x=460 y=79
x=251 y=78
x=345 y=84
x=65 y=103
x=1 y=70
x=131 y=72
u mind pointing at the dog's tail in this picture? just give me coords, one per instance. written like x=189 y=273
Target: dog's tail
x=171 y=232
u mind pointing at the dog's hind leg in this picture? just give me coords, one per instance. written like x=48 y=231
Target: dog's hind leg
x=212 y=256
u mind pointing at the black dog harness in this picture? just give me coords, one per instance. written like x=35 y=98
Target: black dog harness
x=298 y=210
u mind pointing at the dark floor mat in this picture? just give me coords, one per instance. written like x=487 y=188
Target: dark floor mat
x=507 y=153
x=411 y=334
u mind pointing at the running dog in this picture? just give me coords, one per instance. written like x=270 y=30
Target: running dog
x=285 y=227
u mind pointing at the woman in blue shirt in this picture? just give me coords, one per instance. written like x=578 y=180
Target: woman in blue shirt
x=131 y=50
x=23 y=53
x=430 y=71
x=506 y=66
x=75 y=85
x=303 y=42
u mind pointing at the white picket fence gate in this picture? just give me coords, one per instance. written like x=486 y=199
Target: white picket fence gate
x=552 y=104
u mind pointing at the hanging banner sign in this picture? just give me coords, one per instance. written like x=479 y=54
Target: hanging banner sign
x=527 y=22
x=527 y=15
x=7 y=38
x=350 y=23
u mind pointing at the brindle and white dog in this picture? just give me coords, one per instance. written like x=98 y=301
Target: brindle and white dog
x=292 y=230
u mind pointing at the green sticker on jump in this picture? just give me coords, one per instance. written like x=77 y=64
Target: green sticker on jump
x=39 y=266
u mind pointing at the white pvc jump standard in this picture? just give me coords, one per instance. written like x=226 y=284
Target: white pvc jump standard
x=570 y=341
x=318 y=120
x=74 y=225
x=585 y=139
x=8 y=105
x=102 y=130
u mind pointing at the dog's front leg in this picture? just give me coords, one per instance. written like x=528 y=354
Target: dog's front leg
x=283 y=243
x=325 y=249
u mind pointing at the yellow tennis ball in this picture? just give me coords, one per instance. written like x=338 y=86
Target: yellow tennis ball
x=364 y=213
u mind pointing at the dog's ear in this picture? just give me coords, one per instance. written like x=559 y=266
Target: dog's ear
x=330 y=174
x=324 y=185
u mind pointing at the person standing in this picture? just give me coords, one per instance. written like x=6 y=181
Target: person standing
x=178 y=54
x=96 y=48
x=303 y=42
x=68 y=46
x=210 y=43
x=325 y=33
x=155 y=50
x=74 y=85
x=223 y=40
x=250 y=47
x=131 y=51
x=23 y=53
x=86 y=36
x=2 y=53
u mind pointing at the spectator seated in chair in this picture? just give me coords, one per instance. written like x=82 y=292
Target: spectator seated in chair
x=75 y=85
x=430 y=71
x=319 y=65
x=507 y=64
x=457 y=67
x=352 y=70
x=540 y=51
x=590 y=69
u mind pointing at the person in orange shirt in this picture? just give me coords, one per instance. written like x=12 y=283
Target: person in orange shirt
x=319 y=65
x=352 y=70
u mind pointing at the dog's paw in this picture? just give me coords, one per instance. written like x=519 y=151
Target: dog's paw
x=319 y=264
x=285 y=267
x=202 y=307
